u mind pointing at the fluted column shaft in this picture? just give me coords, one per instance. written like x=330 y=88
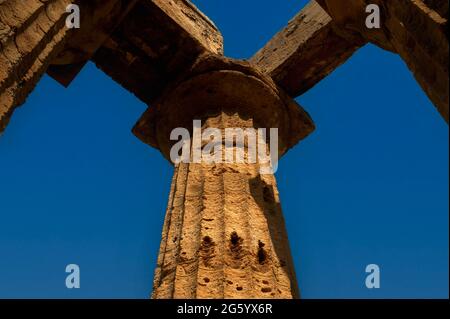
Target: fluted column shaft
x=224 y=234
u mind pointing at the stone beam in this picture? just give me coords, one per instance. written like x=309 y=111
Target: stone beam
x=415 y=29
x=32 y=33
x=157 y=41
x=306 y=51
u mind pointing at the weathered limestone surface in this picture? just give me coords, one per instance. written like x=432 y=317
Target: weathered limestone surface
x=224 y=233
x=415 y=29
x=306 y=51
x=32 y=32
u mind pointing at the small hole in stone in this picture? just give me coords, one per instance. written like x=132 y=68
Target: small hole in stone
x=239 y=288
x=265 y=290
x=229 y=282
x=207 y=240
x=234 y=238
x=206 y=279
x=265 y=282
x=262 y=254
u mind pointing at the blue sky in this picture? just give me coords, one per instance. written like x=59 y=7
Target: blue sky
x=369 y=186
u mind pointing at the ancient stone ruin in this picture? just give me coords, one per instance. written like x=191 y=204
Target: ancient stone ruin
x=224 y=233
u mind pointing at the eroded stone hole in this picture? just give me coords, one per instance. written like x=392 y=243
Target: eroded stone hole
x=207 y=241
x=266 y=290
x=234 y=238
x=236 y=251
x=235 y=243
x=207 y=252
x=262 y=254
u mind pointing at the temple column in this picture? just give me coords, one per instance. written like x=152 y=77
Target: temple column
x=224 y=234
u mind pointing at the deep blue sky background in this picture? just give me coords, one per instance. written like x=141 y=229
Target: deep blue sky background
x=369 y=186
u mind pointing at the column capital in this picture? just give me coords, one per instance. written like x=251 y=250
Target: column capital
x=215 y=84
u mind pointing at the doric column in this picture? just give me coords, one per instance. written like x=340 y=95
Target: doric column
x=224 y=234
